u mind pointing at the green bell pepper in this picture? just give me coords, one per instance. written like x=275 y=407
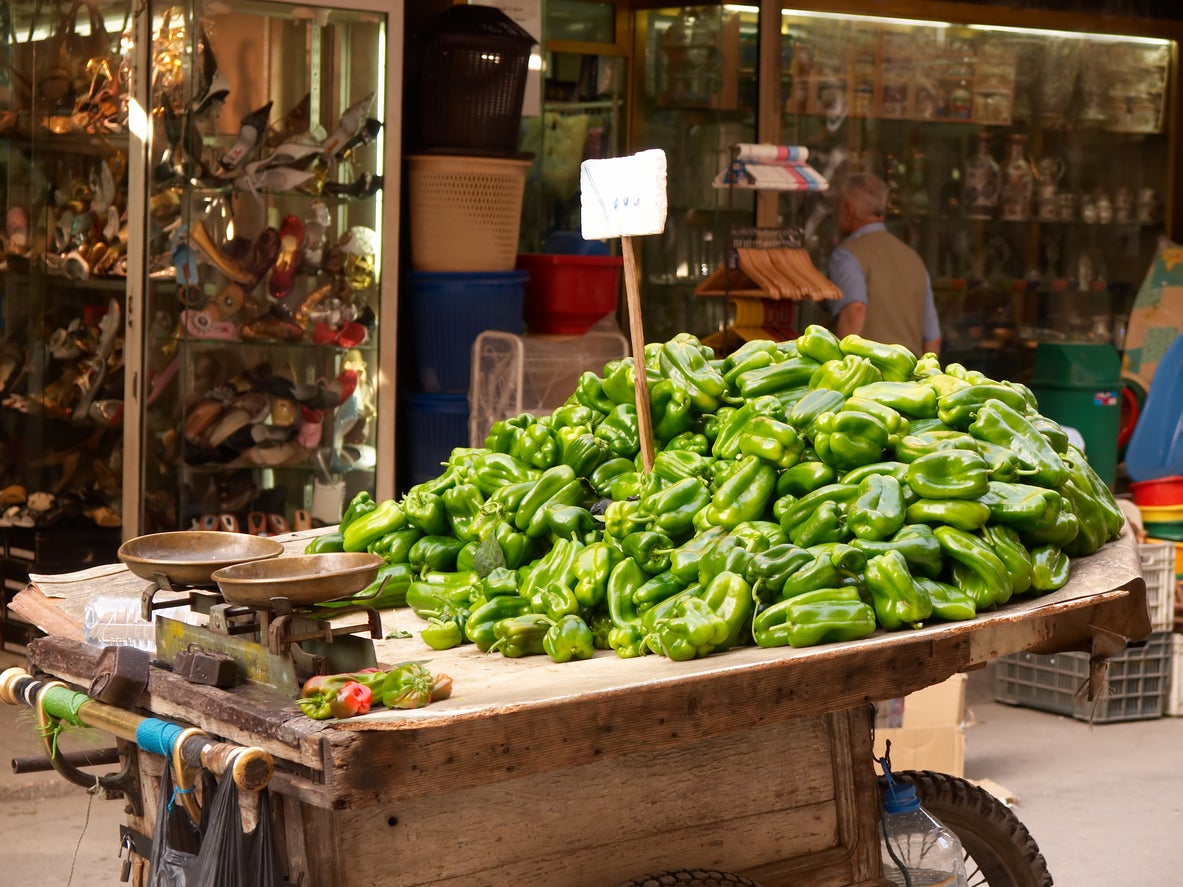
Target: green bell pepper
x=691 y=630
x=1049 y=568
x=425 y=511
x=916 y=542
x=949 y=474
x=436 y=593
x=848 y=439
x=375 y=523
x=735 y=425
x=685 y=560
x=894 y=362
x=569 y=638
x=825 y=569
x=627 y=636
x=812 y=404
x=978 y=570
x=1091 y=531
x=480 y=627
x=878 y=510
x=743 y=496
x=1085 y=476
x=729 y=554
x=949 y=602
x=656 y=589
x=689 y=441
x=522 y=635
x=555 y=567
x=496 y=470
x=964 y=514
x=396 y=546
x=768 y=570
x=890 y=417
x=912 y=446
x=773 y=441
x=914 y=400
x=388 y=590
x=623 y=518
x=500 y=580
x=535 y=446
x=826 y=615
x=898 y=470
x=361 y=503
x=673 y=509
x=959 y=408
x=462 y=504
x=1023 y=506
x=1000 y=424
x=619 y=431
x=790 y=511
x=442 y=634
x=570 y=521
x=730 y=597
x=672 y=466
x=650 y=549
x=589 y=392
x=845 y=375
x=827 y=523
x=583 y=452
x=894 y=595
x=590 y=570
x=819 y=343
x=325 y=543
x=554 y=601
x=434 y=554
x=776 y=379
x=573 y=415
x=1053 y=432
x=760 y=534
x=549 y=484
x=1001 y=463
x=606 y=472
x=669 y=409
x=803 y=478
x=683 y=360
x=1014 y=555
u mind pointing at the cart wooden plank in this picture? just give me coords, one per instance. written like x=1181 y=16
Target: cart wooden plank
x=588 y=773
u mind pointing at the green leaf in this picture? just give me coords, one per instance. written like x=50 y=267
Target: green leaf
x=488 y=557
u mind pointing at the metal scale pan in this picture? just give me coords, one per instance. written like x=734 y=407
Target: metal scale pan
x=191 y=557
x=301 y=580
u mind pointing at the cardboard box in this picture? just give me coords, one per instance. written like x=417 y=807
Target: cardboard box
x=925 y=728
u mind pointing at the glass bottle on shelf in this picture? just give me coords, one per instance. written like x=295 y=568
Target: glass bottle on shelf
x=1018 y=181
x=981 y=182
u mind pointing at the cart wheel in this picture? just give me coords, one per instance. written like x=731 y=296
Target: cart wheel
x=999 y=851
x=691 y=878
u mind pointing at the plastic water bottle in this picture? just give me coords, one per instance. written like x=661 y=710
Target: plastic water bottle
x=114 y=620
x=918 y=851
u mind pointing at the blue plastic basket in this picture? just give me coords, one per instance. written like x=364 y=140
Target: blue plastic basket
x=433 y=425
x=448 y=310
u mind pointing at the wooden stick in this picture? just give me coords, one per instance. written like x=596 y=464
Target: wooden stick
x=637 y=335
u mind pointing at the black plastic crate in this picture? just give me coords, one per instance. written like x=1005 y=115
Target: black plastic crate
x=1138 y=681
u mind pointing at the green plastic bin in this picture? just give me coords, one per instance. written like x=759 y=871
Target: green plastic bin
x=1079 y=384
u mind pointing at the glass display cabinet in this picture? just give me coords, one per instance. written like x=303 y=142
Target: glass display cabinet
x=1030 y=155
x=267 y=264
x=64 y=152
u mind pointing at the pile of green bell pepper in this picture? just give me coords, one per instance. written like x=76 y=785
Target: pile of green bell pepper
x=802 y=492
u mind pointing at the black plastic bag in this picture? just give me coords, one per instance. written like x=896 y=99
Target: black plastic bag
x=175 y=839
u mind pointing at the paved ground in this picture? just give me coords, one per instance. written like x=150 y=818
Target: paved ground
x=1105 y=802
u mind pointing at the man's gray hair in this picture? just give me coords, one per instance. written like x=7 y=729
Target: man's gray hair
x=867 y=195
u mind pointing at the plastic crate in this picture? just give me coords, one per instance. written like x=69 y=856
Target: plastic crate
x=447 y=312
x=1158 y=569
x=1174 y=702
x=465 y=212
x=435 y=425
x=566 y=295
x=1138 y=679
x=472 y=63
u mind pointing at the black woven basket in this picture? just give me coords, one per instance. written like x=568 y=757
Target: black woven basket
x=471 y=79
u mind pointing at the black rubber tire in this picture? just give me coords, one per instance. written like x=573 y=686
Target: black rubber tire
x=999 y=850
x=691 y=878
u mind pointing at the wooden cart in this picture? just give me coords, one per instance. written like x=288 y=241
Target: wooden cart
x=587 y=774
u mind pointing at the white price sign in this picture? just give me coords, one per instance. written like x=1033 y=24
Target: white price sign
x=623 y=196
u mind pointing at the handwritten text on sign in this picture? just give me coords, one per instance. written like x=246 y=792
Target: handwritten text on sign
x=623 y=196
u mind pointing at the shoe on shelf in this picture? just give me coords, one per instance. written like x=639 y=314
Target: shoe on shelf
x=250 y=137
x=293 y=122
x=291 y=242
x=366 y=185
x=350 y=124
x=367 y=133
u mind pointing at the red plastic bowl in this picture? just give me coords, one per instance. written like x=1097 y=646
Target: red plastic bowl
x=1160 y=491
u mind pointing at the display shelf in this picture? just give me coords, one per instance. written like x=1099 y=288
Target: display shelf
x=265 y=172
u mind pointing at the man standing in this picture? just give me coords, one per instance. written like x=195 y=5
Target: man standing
x=886 y=291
